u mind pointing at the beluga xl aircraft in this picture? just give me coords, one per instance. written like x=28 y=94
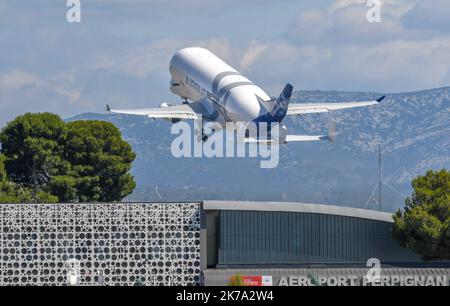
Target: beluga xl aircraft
x=220 y=94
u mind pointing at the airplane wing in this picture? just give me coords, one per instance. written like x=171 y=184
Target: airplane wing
x=182 y=111
x=310 y=108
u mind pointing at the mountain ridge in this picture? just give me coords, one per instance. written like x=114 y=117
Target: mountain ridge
x=413 y=128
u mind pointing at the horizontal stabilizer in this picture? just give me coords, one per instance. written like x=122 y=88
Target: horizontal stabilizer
x=330 y=137
x=254 y=140
x=298 y=138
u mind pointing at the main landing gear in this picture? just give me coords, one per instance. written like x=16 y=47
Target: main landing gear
x=201 y=135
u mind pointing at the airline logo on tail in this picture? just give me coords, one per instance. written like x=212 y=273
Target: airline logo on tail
x=281 y=106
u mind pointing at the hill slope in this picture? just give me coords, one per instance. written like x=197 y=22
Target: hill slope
x=413 y=127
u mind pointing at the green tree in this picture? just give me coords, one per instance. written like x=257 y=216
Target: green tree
x=424 y=226
x=8 y=192
x=2 y=169
x=33 y=145
x=46 y=159
x=14 y=193
x=64 y=187
x=100 y=160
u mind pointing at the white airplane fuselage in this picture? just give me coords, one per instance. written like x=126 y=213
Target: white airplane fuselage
x=199 y=75
x=220 y=94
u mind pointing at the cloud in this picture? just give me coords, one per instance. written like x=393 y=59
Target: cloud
x=345 y=22
x=137 y=62
x=72 y=95
x=310 y=25
x=120 y=53
x=401 y=6
x=18 y=79
x=180 y=5
x=140 y=62
x=150 y=10
x=254 y=51
x=429 y=15
x=337 y=48
x=21 y=82
x=390 y=66
x=339 y=4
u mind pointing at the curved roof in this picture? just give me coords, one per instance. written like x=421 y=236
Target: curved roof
x=300 y=208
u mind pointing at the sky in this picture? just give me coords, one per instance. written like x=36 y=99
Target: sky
x=119 y=52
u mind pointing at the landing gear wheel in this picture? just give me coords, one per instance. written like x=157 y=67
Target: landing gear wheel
x=201 y=136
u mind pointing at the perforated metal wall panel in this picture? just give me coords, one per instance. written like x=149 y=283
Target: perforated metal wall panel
x=95 y=244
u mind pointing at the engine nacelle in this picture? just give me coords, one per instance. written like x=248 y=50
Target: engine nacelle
x=172 y=120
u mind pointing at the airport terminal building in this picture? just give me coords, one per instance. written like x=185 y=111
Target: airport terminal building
x=202 y=243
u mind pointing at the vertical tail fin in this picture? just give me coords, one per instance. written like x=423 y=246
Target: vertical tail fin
x=280 y=108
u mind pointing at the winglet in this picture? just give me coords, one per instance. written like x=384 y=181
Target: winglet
x=380 y=99
x=108 y=109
